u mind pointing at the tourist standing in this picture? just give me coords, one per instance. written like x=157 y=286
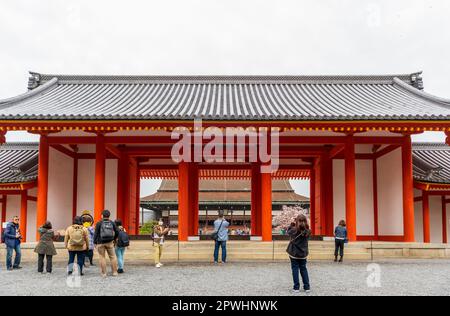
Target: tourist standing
x=340 y=237
x=106 y=233
x=159 y=234
x=220 y=236
x=123 y=241
x=88 y=224
x=46 y=248
x=298 y=251
x=13 y=239
x=77 y=243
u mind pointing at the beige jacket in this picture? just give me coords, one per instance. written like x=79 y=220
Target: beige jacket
x=70 y=247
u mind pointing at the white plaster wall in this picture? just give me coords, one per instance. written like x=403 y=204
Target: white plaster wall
x=418 y=221
x=86 y=180
x=12 y=207
x=364 y=198
x=111 y=187
x=436 y=219
x=32 y=216
x=60 y=190
x=364 y=195
x=86 y=183
x=338 y=190
x=390 y=194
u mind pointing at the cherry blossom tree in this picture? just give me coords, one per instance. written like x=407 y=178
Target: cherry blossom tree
x=287 y=216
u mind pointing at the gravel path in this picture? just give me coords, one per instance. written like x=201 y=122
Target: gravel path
x=240 y=279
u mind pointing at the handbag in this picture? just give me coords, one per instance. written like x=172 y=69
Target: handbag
x=215 y=235
x=290 y=249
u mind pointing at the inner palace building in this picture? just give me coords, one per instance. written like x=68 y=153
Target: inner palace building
x=350 y=135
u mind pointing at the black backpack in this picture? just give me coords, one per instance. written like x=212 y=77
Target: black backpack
x=124 y=240
x=107 y=232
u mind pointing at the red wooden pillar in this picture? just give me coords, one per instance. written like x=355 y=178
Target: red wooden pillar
x=183 y=201
x=256 y=201
x=408 y=190
x=350 y=188
x=266 y=206
x=444 y=220
x=375 y=199
x=4 y=205
x=100 y=170
x=426 y=217
x=327 y=196
x=42 y=196
x=75 y=188
x=194 y=184
x=138 y=200
x=312 y=201
x=23 y=214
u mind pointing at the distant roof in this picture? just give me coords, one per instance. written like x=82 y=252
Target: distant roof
x=432 y=163
x=264 y=98
x=231 y=191
x=18 y=163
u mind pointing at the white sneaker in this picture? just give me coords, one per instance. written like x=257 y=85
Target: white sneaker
x=307 y=291
x=159 y=265
x=296 y=291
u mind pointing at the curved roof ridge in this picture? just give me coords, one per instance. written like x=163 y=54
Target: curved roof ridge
x=421 y=93
x=431 y=146
x=38 y=79
x=20 y=146
x=39 y=89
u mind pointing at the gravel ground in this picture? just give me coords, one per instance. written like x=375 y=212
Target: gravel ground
x=257 y=279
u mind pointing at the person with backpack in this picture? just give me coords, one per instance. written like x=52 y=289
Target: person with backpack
x=46 y=248
x=88 y=223
x=106 y=234
x=340 y=237
x=123 y=241
x=77 y=242
x=298 y=251
x=13 y=238
x=220 y=236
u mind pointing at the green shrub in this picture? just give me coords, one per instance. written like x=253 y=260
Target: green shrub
x=147 y=228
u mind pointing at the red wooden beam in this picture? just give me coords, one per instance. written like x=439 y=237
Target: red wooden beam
x=386 y=150
x=336 y=151
x=113 y=151
x=64 y=150
x=418 y=199
x=32 y=198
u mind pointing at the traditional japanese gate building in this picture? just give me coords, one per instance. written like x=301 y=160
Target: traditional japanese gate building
x=351 y=135
x=432 y=192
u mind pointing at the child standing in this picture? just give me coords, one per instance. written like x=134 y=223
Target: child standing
x=123 y=241
x=88 y=224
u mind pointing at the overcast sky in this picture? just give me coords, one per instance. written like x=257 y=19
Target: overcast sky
x=226 y=37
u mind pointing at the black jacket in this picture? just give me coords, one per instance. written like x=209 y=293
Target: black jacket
x=97 y=238
x=299 y=246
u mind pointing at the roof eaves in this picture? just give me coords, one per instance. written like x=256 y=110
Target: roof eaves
x=422 y=94
x=38 y=90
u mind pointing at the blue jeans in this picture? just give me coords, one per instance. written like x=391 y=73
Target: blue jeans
x=9 y=255
x=300 y=265
x=120 y=254
x=81 y=255
x=223 y=245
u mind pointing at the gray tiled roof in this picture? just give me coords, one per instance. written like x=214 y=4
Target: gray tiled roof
x=432 y=163
x=18 y=162
x=299 y=98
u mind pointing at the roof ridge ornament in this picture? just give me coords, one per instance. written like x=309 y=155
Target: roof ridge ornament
x=34 y=80
x=417 y=80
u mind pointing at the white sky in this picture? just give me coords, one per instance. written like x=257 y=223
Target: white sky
x=211 y=37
